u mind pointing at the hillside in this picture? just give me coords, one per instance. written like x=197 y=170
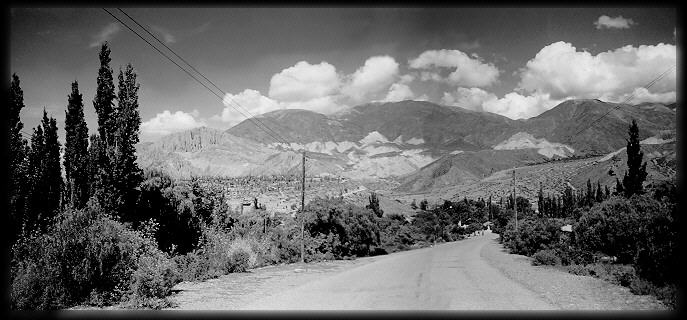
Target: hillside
x=384 y=140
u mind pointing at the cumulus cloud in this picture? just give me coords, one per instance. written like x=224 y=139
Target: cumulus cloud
x=374 y=76
x=244 y=104
x=304 y=81
x=252 y=103
x=561 y=71
x=606 y=22
x=517 y=106
x=512 y=105
x=469 y=71
x=468 y=98
x=326 y=105
x=105 y=34
x=166 y=122
x=399 y=92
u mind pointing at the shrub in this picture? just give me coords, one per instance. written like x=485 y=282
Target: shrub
x=611 y=227
x=85 y=256
x=578 y=269
x=239 y=261
x=546 y=257
x=532 y=235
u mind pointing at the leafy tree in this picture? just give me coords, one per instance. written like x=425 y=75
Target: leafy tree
x=102 y=187
x=76 y=150
x=374 y=205
x=96 y=155
x=127 y=175
x=16 y=155
x=104 y=97
x=46 y=178
x=599 y=193
x=636 y=170
x=619 y=190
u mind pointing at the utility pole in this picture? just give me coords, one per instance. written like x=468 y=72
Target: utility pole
x=303 y=210
x=515 y=203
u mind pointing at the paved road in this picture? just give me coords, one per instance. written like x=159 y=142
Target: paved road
x=446 y=276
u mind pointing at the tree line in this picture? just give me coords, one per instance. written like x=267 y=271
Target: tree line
x=99 y=168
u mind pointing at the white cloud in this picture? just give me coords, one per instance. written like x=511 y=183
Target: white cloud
x=467 y=70
x=245 y=104
x=512 y=105
x=561 y=71
x=105 y=34
x=517 y=106
x=406 y=78
x=640 y=95
x=304 y=81
x=468 y=98
x=376 y=75
x=253 y=103
x=166 y=122
x=325 y=105
x=613 y=23
x=399 y=92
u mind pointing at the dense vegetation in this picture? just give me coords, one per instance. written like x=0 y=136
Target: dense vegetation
x=630 y=237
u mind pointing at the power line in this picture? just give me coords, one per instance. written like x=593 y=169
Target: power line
x=646 y=86
x=265 y=128
x=231 y=100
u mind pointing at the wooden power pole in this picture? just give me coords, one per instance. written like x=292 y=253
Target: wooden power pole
x=303 y=210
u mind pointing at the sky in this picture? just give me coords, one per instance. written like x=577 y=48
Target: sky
x=516 y=62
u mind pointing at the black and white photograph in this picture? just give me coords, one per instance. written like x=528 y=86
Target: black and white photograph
x=324 y=158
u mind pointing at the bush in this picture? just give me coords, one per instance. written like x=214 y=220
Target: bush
x=578 y=269
x=546 y=257
x=239 y=261
x=532 y=235
x=611 y=227
x=85 y=256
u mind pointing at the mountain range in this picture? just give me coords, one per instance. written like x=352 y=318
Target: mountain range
x=418 y=142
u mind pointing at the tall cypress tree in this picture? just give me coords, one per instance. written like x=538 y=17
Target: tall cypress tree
x=53 y=170
x=636 y=170
x=128 y=175
x=36 y=184
x=76 y=150
x=104 y=97
x=16 y=156
x=599 y=193
x=103 y=180
x=43 y=199
x=95 y=156
x=590 y=193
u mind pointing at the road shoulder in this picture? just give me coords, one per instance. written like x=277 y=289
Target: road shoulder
x=565 y=290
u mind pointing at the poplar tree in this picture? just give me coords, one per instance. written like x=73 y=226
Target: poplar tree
x=636 y=170
x=599 y=193
x=127 y=174
x=76 y=150
x=104 y=97
x=95 y=156
x=374 y=205
x=16 y=156
x=45 y=191
x=103 y=153
x=590 y=193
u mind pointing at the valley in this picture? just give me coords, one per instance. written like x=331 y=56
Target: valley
x=413 y=150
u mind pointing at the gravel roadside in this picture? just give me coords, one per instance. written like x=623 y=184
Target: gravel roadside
x=565 y=290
